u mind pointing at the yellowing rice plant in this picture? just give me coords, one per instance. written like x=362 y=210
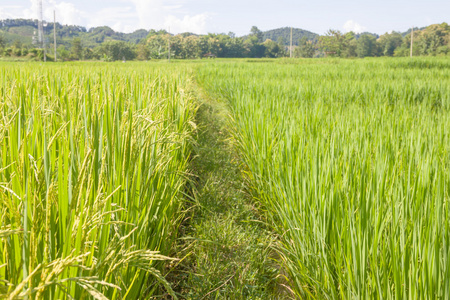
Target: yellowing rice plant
x=92 y=166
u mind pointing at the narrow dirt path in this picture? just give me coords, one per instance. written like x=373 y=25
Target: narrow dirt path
x=228 y=248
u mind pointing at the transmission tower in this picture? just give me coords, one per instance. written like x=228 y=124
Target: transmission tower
x=41 y=37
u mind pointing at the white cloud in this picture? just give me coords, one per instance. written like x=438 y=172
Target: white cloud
x=351 y=25
x=150 y=13
x=66 y=13
x=154 y=14
x=122 y=15
x=118 y=18
x=195 y=24
x=9 y=12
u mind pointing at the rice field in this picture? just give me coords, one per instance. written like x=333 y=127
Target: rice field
x=92 y=171
x=348 y=162
x=350 y=159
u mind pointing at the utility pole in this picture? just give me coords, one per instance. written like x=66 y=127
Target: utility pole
x=412 y=37
x=290 y=48
x=169 y=45
x=54 y=31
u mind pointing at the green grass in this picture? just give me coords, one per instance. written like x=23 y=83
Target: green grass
x=228 y=248
x=93 y=161
x=350 y=159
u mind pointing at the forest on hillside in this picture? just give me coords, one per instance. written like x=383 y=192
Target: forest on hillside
x=18 y=38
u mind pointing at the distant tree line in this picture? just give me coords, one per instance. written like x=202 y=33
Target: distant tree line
x=145 y=45
x=430 y=41
x=155 y=46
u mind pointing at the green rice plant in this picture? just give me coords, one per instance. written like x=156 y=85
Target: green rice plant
x=350 y=159
x=92 y=169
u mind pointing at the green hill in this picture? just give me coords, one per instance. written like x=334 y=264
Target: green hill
x=408 y=32
x=24 y=30
x=285 y=34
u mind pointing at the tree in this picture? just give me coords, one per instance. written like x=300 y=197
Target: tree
x=213 y=44
x=2 y=41
x=63 y=54
x=116 y=50
x=190 y=47
x=224 y=45
x=272 y=49
x=254 y=31
x=253 y=45
x=333 y=43
x=17 y=48
x=305 y=48
x=17 y=44
x=433 y=38
x=254 y=49
x=157 y=45
x=404 y=49
x=142 y=52
x=366 y=46
x=87 y=53
x=282 y=45
x=203 y=46
x=350 y=44
x=235 y=48
x=77 y=49
x=388 y=42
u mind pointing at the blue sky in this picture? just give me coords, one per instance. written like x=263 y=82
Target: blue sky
x=238 y=16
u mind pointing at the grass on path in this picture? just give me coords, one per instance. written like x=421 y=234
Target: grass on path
x=229 y=248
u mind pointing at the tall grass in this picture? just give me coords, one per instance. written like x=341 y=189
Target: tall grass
x=351 y=161
x=92 y=167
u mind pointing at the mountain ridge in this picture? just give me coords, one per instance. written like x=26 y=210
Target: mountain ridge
x=24 y=30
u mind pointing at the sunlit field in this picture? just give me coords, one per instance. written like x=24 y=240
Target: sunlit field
x=346 y=167
x=93 y=162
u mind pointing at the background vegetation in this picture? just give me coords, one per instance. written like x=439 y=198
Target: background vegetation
x=18 y=40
